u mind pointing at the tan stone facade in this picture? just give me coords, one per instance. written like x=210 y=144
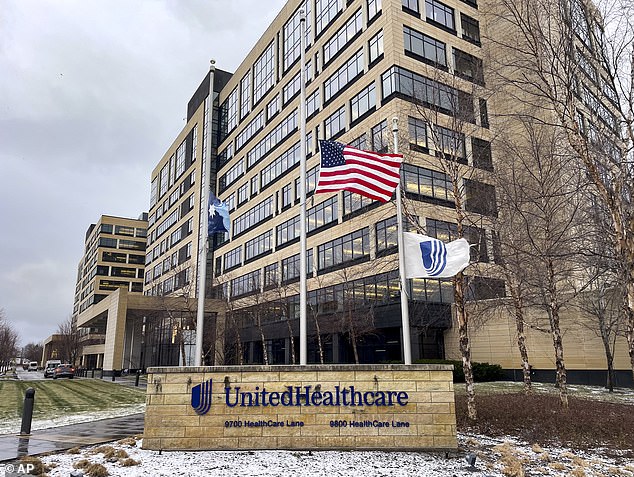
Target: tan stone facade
x=422 y=414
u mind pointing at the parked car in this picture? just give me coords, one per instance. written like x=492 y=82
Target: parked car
x=64 y=371
x=33 y=366
x=49 y=369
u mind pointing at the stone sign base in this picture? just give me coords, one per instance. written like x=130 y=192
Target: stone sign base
x=382 y=407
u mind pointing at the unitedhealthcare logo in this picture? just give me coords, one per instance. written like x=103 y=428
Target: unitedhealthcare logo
x=201 y=397
x=434 y=256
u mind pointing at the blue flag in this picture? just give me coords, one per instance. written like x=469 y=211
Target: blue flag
x=218 y=215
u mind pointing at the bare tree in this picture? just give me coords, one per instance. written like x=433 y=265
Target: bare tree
x=8 y=340
x=70 y=345
x=569 y=64
x=32 y=351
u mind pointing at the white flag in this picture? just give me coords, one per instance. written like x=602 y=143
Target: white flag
x=427 y=257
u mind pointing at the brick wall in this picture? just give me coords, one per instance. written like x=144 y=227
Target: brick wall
x=422 y=414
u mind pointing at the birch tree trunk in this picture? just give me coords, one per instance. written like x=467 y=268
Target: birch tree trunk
x=465 y=346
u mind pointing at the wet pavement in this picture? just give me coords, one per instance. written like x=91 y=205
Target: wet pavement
x=67 y=437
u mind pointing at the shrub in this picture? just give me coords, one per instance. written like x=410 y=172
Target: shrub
x=482 y=372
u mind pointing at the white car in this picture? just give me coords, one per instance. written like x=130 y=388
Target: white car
x=32 y=366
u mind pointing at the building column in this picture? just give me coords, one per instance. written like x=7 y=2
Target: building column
x=115 y=331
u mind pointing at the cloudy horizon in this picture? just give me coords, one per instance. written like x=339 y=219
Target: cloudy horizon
x=93 y=93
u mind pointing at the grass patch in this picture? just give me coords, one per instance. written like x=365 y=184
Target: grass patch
x=57 y=398
x=539 y=419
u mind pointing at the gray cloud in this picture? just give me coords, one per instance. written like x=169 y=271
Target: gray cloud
x=92 y=92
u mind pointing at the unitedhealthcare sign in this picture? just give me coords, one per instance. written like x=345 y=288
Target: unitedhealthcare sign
x=296 y=396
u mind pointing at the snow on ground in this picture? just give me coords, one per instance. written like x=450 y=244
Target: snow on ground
x=494 y=458
x=12 y=426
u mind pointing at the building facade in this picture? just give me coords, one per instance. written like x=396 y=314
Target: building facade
x=114 y=258
x=367 y=61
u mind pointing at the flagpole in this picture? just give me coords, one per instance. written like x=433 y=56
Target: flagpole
x=407 y=344
x=303 y=353
x=204 y=223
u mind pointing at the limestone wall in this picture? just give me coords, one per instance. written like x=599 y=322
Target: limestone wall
x=264 y=407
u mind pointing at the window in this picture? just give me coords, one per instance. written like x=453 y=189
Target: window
x=154 y=192
x=353 y=202
x=254 y=186
x=272 y=139
x=344 y=249
x=446 y=99
x=273 y=107
x=362 y=102
x=243 y=194
x=246 y=284
x=434 y=291
x=411 y=5
x=245 y=95
x=253 y=216
x=250 y=130
x=447 y=231
x=344 y=75
x=379 y=137
x=480 y=198
x=417 y=133
x=291 y=36
x=290 y=266
x=386 y=234
x=313 y=103
x=451 y=144
x=340 y=39
x=258 y=245
x=440 y=13
x=164 y=179
x=123 y=230
x=481 y=151
x=468 y=66
x=233 y=174
x=427 y=183
x=280 y=165
x=484 y=113
x=470 y=29
x=270 y=275
x=291 y=89
x=376 y=47
x=325 y=12
x=287 y=231
x=322 y=214
x=335 y=123
x=229 y=114
x=180 y=160
x=287 y=196
x=374 y=8
x=424 y=47
x=360 y=142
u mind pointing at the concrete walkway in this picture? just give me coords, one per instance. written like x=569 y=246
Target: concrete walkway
x=66 y=437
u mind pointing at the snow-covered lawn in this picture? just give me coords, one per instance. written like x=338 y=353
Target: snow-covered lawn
x=12 y=426
x=494 y=458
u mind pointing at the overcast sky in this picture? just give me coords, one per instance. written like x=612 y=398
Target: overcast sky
x=92 y=93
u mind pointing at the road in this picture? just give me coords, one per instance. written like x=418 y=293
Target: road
x=29 y=375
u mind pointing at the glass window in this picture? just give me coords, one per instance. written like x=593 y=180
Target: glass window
x=451 y=143
x=258 y=245
x=353 y=202
x=440 y=13
x=264 y=73
x=291 y=88
x=374 y=7
x=273 y=107
x=424 y=47
x=322 y=214
x=427 y=183
x=480 y=198
x=272 y=139
x=325 y=12
x=362 y=102
x=246 y=284
x=335 y=123
x=245 y=95
x=344 y=75
x=287 y=196
x=411 y=5
x=341 y=38
x=386 y=234
x=470 y=29
x=180 y=160
x=417 y=132
x=232 y=175
x=229 y=114
x=250 y=130
x=291 y=39
x=280 y=165
x=243 y=194
x=270 y=275
x=468 y=66
x=360 y=143
x=376 y=46
x=380 y=137
x=287 y=231
x=344 y=249
x=253 y=216
x=290 y=266
x=313 y=103
x=481 y=151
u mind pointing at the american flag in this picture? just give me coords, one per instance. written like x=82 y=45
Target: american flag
x=367 y=173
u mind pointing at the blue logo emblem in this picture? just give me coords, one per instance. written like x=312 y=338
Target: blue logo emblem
x=201 y=397
x=434 y=255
